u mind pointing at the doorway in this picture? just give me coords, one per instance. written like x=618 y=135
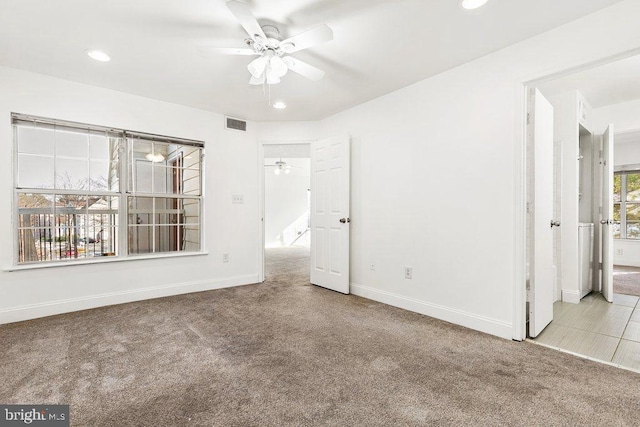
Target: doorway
x=325 y=224
x=286 y=178
x=593 y=217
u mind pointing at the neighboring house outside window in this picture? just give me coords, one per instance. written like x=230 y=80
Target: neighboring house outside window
x=86 y=191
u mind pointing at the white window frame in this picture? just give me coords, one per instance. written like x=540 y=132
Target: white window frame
x=623 y=203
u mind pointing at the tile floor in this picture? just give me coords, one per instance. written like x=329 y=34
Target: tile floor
x=597 y=329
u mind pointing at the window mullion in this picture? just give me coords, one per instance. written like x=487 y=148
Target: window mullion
x=623 y=206
x=123 y=202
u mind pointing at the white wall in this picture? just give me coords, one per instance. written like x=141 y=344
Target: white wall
x=286 y=208
x=626 y=154
x=230 y=168
x=437 y=178
x=288 y=131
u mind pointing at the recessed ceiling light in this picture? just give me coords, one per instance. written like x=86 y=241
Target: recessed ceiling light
x=473 y=4
x=99 y=55
x=280 y=105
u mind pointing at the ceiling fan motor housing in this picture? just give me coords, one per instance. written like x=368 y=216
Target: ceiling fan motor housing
x=272 y=43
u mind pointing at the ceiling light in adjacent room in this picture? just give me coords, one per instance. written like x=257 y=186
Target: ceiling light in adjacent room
x=280 y=105
x=99 y=55
x=282 y=168
x=473 y=4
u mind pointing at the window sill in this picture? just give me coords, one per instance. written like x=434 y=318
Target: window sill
x=637 y=241
x=101 y=260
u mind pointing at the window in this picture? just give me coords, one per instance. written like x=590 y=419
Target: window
x=164 y=196
x=77 y=184
x=626 y=205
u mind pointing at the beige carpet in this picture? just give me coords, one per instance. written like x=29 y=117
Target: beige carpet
x=626 y=280
x=288 y=353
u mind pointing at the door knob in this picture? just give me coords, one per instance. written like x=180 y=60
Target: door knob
x=555 y=223
x=343 y=220
x=606 y=222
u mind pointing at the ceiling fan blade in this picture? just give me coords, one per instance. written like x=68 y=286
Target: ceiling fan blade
x=226 y=51
x=304 y=69
x=320 y=34
x=243 y=14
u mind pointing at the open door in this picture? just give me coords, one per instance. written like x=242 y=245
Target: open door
x=330 y=179
x=606 y=219
x=541 y=223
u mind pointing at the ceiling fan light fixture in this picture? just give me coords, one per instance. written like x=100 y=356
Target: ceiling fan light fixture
x=281 y=167
x=257 y=66
x=473 y=4
x=272 y=79
x=277 y=66
x=256 y=81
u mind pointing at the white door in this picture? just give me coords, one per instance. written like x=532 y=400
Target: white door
x=330 y=222
x=541 y=223
x=607 y=214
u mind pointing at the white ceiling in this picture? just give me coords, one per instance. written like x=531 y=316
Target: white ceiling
x=608 y=84
x=379 y=46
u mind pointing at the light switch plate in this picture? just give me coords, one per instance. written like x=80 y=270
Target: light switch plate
x=237 y=199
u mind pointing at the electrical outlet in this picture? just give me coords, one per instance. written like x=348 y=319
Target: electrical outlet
x=237 y=199
x=372 y=266
x=619 y=251
x=408 y=272
x=225 y=257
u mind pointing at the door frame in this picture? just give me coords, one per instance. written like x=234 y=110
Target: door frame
x=261 y=196
x=521 y=176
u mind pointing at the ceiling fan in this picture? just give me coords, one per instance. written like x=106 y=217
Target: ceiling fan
x=265 y=42
x=281 y=167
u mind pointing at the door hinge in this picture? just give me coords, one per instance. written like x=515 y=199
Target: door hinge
x=528 y=118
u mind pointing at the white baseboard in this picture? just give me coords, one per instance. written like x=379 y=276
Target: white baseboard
x=571 y=296
x=626 y=262
x=459 y=317
x=34 y=311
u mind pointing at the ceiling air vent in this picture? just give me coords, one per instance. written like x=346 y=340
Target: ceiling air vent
x=235 y=124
